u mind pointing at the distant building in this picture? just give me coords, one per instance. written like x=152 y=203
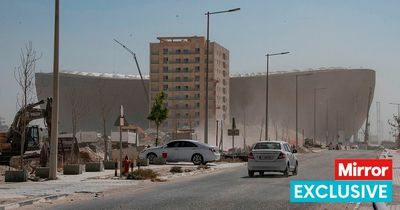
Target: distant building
x=341 y=109
x=178 y=67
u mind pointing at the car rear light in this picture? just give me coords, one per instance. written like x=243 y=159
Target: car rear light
x=281 y=155
x=250 y=156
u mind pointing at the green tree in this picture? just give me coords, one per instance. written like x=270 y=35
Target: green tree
x=159 y=112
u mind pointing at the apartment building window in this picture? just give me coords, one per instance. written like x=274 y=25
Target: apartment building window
x=165 y=78
x=223 y=73
x=224 y=90
x=165 y=60
x=165 y=50
x=197 y=104
x=178 y=51
x=197 y=87
x=223 y=82
x=197 y=68
x=224 y=99
x=186 y=51
x=178 y=60
x=197 y=50
x=186 y=106
x=178 y=115
x=197 y=95
x=197 y=114
x=178 y=69
x=176 y=106
x=187 y=96
x=197 y=78
x=186 y=60
x=197 y=59
x=186 y=87
x=186 y=69
x=185 y=79
x=224 y=64
x=177 y=79
x=187 y=115
x=178 y=87
x=165 y=87
x=165 y=69
x=224 y=56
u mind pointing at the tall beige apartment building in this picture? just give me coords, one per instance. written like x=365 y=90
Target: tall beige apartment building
x=178 y=67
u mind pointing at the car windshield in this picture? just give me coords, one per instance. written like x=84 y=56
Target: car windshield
x=268 y=145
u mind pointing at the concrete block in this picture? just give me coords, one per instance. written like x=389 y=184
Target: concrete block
x=73 y=169
x=16 y=176
x=94 y=167
x=42 y=172
x=109 y=165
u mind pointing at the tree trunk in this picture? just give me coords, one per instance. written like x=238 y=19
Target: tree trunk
x=157 y=136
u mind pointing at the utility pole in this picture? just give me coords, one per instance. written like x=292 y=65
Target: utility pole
x=327 y=124
x=54 y=113
x=216 y=136
x=366 y=137
x=315 y=113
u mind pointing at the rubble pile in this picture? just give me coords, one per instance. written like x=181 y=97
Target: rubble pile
x=88 y=155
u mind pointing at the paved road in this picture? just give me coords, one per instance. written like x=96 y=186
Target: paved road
x=229 y=189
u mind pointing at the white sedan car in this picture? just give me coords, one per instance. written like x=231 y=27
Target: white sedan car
x=183 y=150
x=272 y=156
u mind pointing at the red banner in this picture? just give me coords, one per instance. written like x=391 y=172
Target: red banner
x=363 y=169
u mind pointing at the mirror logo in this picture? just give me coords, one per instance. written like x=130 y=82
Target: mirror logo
x=356 y=180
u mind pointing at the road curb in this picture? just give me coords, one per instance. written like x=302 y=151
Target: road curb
x=31 y=201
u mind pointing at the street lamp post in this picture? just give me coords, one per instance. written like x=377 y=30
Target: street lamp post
x=315 y=113
x=267 y=92
x=208 y=43
x=297 y=109
x=56 y=86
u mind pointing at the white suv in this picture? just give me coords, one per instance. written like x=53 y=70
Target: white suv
x=183 y=150
x=272 y=156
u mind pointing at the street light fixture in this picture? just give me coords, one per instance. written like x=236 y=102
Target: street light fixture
x=297 y=104
x=267 y=92
x=208 y=43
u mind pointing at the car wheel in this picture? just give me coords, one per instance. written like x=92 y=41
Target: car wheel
x=287 y=171
x=151 y=157
x=251 y=173
x=296 y=168
x=197 y=159
x=261 y=173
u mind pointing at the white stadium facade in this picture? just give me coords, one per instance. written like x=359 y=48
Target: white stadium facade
x=332 y=103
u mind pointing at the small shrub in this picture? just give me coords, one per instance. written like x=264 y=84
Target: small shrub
x=159 y=161
x=176 y=169
x=188 y=170
x=142 y=174
x=200 y=167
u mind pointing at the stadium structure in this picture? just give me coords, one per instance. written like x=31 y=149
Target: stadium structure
x=333 y=102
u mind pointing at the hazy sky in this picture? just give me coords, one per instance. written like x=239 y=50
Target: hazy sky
x=319 y=33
